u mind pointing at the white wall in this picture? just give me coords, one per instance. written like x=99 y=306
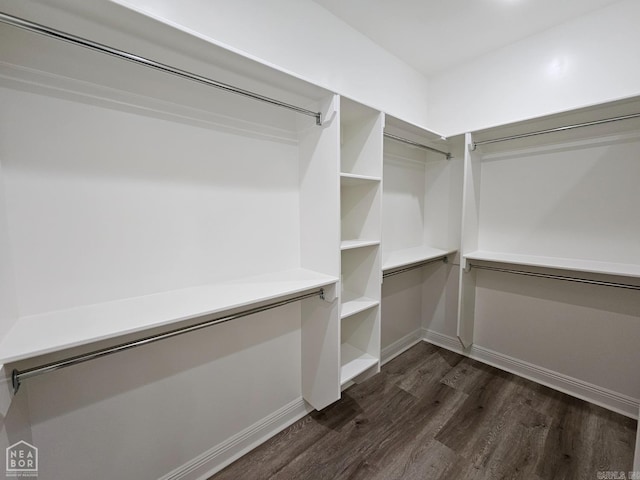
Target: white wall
x=14 y=416
x=306 y=40
x=8 y=303
x=585 y=332
x=440 y=299
x=564 y=202
x=589 y=60
x=401 y=311
x=15 y=424
x=161 y=203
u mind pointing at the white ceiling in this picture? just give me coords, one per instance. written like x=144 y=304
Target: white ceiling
x=434 y=35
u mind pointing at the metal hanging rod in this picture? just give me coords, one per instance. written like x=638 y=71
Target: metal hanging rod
x=557 y=277
x=419 y=145
x=557 y=129
x=414 y=266
x=18 y=376
x=98 y=47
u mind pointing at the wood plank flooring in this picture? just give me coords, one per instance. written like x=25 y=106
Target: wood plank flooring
x=433 y=414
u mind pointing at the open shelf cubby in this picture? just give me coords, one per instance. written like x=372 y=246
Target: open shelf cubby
x=360 y=344
x=360 y=211
x=361 y=273
x=360 y=139
x=418 y=204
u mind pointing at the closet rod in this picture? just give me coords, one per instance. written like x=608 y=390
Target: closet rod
x=557 y=277
x=413 y=267
x=99 y=47
x=557 y=129
x=419 y=145
x=18 y=376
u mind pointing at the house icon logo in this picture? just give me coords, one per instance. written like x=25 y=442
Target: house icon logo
x=22 y=460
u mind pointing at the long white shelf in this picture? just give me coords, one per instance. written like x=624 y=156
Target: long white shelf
x=408 y=256
x=353 y=303
x=572 y=264
x=54 y=331
x=353 y=362
x=349 y=244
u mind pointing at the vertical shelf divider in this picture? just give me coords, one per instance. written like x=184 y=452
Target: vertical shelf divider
x=470 y=219
x=320 y=234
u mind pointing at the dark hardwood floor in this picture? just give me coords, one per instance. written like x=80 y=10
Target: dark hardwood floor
x=433 y=414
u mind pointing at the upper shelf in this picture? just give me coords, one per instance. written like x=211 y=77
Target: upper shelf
x=408 y=256
x=58 y=68
x=572 y=264
x=569 y=128
x=54 y=331
x=413 y=132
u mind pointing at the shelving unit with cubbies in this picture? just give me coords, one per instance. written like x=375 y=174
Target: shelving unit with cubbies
x=361 y=130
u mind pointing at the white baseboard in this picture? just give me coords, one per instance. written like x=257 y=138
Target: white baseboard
x=589 y=392
x=215 y=459
x=444 y=341
x=390 y=352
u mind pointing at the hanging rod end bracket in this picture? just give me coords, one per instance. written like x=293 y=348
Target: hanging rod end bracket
x=15 y=380
x=319 y=118
x=449 y=156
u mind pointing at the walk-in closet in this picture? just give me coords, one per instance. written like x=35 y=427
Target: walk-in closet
x=279 y=240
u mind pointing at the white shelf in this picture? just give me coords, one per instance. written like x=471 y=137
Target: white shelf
x=572 y=264
x=353 y=303
x=101 y=81
x=54 y=331
x=408 y=256
x=354 y=362
x=350 y=179
x=349 y=244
